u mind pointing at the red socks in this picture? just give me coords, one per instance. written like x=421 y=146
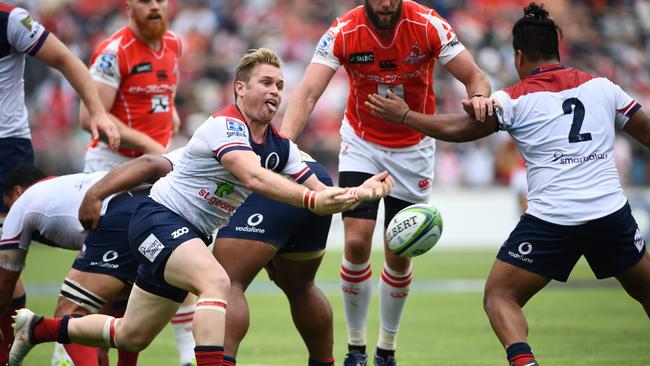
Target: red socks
x=208 y=355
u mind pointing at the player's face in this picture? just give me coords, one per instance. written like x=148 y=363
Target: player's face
x=150 y=16
x=383 y=14
x=262 y=94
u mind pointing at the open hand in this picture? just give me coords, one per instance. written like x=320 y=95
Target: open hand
x=390 y=108
x=376 y=187
x=101 y=122
x=332 y=200
x=479 y=107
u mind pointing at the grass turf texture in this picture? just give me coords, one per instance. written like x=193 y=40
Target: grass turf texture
x=587 y=322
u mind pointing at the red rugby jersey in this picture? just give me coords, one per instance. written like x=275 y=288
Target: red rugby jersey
x=145 y=81
x=404 y=64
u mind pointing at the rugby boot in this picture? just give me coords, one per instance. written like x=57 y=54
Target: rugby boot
x=24 y=322
x=388 y=361
x=355 y=358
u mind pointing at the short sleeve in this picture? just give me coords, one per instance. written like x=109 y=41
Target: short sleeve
x=625 y=105
x=25 y=34
x=105 y=66
x=326 y=51
x=225 y=134
x=504 y=110
x=442 y=37
x=296 y=167
x=14 y=233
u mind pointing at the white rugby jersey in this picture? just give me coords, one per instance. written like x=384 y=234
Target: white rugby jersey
x=563 y=122
x=48 y=213
x=205 y=193
x=19 y=35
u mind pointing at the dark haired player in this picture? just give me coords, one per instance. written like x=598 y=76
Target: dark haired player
x=563 y=121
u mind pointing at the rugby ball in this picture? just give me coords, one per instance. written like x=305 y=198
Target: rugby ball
x=414 y=230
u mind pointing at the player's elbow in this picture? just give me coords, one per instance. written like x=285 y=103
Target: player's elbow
x=155 y=166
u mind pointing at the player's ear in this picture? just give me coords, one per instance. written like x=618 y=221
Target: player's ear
x=240 y=86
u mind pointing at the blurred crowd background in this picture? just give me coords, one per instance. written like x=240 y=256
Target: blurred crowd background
x=608 y=38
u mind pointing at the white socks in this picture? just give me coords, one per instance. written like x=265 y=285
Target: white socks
x=393 y=290
x=356 y=286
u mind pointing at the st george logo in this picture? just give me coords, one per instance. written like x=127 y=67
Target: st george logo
x=224 y=189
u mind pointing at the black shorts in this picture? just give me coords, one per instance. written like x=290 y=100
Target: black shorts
x=154 y=233
x=106 y=250
x=611 y=245
x=368 y=210
x=290 y=229
x=13 y=152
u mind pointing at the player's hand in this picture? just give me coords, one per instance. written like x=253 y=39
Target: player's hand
x=390 y=108
x=479 y=107
x=101 y=122
x=376 y=187
x=89 y=211
x=332 y=200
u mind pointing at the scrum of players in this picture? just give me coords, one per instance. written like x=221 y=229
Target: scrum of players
x=145 y=225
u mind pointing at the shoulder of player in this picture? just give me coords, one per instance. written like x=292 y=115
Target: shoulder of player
x=116 y=42
x=174 y=40
x=551 y=81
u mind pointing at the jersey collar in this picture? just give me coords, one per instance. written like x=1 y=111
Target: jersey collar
x=546 y=68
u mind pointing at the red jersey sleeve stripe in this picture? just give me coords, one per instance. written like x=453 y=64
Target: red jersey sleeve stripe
x=232 y=144
x=622 y=110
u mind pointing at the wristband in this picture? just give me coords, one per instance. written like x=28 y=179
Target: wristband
x=404 y=116
x=309 y=199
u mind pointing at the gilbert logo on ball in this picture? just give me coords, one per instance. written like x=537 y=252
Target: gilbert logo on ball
x=414 y=230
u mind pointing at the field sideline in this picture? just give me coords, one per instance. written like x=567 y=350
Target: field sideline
x=584 y=322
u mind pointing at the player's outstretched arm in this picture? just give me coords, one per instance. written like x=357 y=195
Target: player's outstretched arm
x=465 y=70
x=446 y=127
x=147 y=168
x=302 y=103
x=57 y=55
x=639 y=127
x=246 y=167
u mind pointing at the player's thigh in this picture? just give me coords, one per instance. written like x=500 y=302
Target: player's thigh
x=86 y=293
x=192 y=267
x=293 y=274
x=636 y=280
x=612 y=244
x=507 y=280
x=146 y=315
x=242 y=259
x=543 y=248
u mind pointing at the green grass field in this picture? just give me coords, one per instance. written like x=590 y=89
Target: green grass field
x=583 y=323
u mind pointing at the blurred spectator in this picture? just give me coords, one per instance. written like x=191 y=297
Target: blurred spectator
x=605 y=37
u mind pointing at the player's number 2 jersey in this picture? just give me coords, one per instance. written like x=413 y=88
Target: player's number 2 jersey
x=563 y=122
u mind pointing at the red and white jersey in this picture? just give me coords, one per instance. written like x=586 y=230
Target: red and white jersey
x=403 y=64
x=145 y=81
x=19 y=35
x=48 y=213
x=205 y=193
x=563 y=122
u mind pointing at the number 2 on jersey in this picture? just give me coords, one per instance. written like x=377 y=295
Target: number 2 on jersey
x=575 y=106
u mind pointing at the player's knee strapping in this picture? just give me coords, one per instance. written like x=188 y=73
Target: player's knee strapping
x=77 y=294
x=108 y=334
x=211 y=304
